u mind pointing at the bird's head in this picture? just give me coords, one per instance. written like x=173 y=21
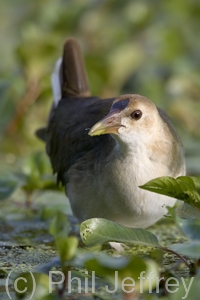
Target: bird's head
x=129 y=116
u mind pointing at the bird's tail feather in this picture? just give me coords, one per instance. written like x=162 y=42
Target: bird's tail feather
x=70 y=73
x=74 y=75
x=68 y=79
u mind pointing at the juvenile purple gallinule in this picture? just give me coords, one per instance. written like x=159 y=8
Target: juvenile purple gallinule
x=130 y=142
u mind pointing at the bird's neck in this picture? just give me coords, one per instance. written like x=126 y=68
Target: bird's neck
x=131 y=147
x=138 y=161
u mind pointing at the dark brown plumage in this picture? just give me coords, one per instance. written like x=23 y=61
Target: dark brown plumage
x=66 y=135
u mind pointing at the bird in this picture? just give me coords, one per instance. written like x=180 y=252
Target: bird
x=103 y=150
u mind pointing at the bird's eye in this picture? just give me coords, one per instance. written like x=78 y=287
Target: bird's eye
x=136 y=115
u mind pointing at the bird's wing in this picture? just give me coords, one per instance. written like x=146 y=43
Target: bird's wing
x=67 y=133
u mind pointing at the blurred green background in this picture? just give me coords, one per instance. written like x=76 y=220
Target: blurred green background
x=146 y=47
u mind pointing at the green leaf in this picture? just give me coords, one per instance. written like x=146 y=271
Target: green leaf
x=7 y=186
x=66 y=248
x=102 y=259
x=36 y=172
x=183 y=188
x=98 y=231
x=36 y=164
x=60 y=226
x=106 y=264
x=191 y=249
x=191 y=227
x=59 y=229
x=187 y=211
x=117 y=269
x=188 y=220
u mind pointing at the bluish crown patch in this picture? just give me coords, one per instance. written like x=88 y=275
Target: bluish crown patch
x=122 y=104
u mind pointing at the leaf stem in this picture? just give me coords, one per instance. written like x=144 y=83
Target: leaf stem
x=175 y=253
